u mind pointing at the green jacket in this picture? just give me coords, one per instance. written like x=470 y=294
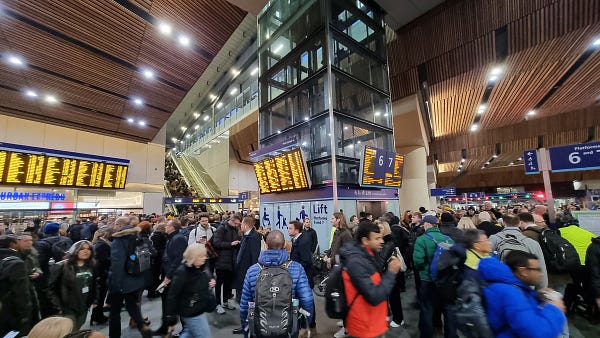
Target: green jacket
x=424 y=250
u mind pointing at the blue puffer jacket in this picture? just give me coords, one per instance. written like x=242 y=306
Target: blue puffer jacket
x=512 y=307
x=301 y=290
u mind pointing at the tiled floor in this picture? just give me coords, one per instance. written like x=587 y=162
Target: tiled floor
x=222 y=325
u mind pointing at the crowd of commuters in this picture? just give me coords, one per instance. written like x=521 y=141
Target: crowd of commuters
x=201 y=262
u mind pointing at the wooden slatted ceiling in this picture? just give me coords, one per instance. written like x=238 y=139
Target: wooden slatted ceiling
x=580 y=90
x=127 y=41
x=530 y=75
x=102 y=24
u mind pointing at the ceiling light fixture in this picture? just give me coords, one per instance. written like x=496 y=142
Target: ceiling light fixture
x=278 y=49
x=254 y=71
x=130 y=120
x=187 y=136
x=219 y=105
x=196 y=115
x=196 y=127
x=481 y=109
x=531 y=113
x=31 y=93
x=487 y=163
x=206 y=118
x=183 y=128
x=142 y=123
x=596 y=43
x=233 y=91
x=493 y=78
x=165 y=28
x=496 y=71
x=212 y=97
x=377 y=113
x=345 y=128
x=462 y=160
x=148 y=74
x=173 y=139
x=51 y=99
x=15 y=60
x=184 y=40
x=474 y=127
x=279 y=132
x=304 y=144
x=138 y=101
x=306 y=118
x=235 y=72
x=495 y=156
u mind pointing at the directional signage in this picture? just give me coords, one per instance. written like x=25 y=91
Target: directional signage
x=532 y=165
x=198 y=200
x=243 y=196
x=451 y=191
x=584 y=156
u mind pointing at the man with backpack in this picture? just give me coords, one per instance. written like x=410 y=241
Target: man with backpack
x=424 y=258
x=51 y=249
x=511 y=238
x=270 y=292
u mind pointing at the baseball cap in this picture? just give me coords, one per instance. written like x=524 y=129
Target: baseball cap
x=429 y=219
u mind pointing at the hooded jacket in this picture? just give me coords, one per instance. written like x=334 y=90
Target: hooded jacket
x=222 y=239
x=513 y=309
x=119 y=280
x=367 y=289
x=275 y=257
x=593 y=264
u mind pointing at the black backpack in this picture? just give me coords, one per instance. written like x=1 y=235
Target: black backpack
x=58 y=247
x=86 y=231
x=560 y=255
x=74 y=232
x=450 y=275
x=139 y=258
x=273 y=311
x=336 y=305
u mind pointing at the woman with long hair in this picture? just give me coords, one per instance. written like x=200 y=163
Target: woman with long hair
x=72 y=285
x=341 y=236
x=190 y=296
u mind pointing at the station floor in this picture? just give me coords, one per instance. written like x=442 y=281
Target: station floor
x=222 y=325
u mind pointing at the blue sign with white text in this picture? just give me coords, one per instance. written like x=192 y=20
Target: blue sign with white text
x=530 y=159
x=451 y=191
x=584 y=156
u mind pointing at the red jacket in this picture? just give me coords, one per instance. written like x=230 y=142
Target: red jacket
x=367 y=316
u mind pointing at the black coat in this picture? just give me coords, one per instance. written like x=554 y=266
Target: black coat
x=450 y=229
x=489 y=228
x=102 y=256
x=15 y=313
x=314 y=240
x=173 y=254
x=301 y=253
x=592 y=261
x=189 y=294
x=222 y=239
x=119 y=280
x=65 y=290
x=247 y=256
x=44 y=249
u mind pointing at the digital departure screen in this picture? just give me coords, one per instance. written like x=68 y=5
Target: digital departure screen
x=20 y=168
x=284 y=172
x=381 y=168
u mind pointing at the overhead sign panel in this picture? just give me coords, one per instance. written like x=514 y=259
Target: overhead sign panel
x=283 y=172
x=574 y=157
x=21 y=168
x=381 y=168
x=532 y=165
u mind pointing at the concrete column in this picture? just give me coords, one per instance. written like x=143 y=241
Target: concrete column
x=153 y=202
x=415 y=189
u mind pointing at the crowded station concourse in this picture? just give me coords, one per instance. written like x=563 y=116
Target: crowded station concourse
x=300 y=168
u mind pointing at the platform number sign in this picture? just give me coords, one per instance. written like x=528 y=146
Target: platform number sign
x=584 y=156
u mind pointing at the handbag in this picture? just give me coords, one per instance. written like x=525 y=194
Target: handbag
x=211 y=252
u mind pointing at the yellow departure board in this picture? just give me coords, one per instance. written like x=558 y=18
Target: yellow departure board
x=381 y=168
x=20 y=168
x=281 y=173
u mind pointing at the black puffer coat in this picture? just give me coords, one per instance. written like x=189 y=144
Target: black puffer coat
x=222 y=239
x=189 y=294
x=592 y=261
x=15 y=313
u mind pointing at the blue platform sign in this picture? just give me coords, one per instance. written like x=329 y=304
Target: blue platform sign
x=532 y=165
x=450 y=191
x=574 y=157
x=243 y=196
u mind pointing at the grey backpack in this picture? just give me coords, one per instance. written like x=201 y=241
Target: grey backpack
x=273 y=312
x=508 y=244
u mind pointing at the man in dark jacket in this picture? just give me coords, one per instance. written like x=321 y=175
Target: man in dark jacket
x=592 y=262
x=301 y=246
x=172 y=257
x=226 y=240
x=276 y=255
x=15 y=297
x=124 y=286
x=312 y=234
x=367 y=289
x=448 y=227
x=246 y=257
